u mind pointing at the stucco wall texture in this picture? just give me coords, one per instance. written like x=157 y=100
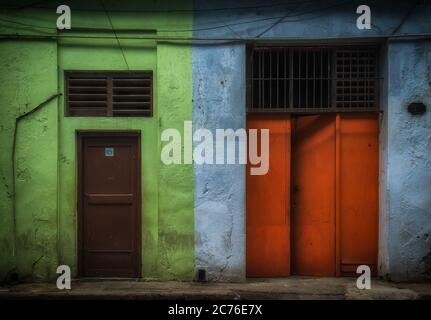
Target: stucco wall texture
x=194 y=216
x=43 y=233
x=28 y=232
x=219 y=103
x=409 y=161
x=405 y=211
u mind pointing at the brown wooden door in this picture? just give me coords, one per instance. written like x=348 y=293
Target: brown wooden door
x=109 y=203
x=268 y=203
x=313 y=195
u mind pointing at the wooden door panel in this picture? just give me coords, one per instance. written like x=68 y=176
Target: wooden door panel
x=313 y=195
x=109 y=219
x=268 y=203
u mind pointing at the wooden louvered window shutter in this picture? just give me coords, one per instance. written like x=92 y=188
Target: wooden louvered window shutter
x=109 y=93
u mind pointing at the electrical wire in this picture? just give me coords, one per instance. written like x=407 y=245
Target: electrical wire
x=15 y=130
x=163 y=30
x=115 y=34
x=172 y=38
x=220 y=26
x=216 y=40
x=265 y=19
x=30 y=5
x=404 y=19
x=276 y=23
x=27 y=25
x=276 y=4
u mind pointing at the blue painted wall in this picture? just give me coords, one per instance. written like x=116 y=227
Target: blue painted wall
x=308 y=19
x=218 y=102
x=409 y=161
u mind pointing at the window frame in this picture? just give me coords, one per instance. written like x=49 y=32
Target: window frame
x=332 y=46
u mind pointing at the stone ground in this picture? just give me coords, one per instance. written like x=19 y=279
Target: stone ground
x=292 y=288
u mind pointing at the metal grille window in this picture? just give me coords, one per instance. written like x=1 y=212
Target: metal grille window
x=355 y=76
x=308 y=79
x=109 y=93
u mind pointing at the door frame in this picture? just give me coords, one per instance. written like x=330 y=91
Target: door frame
x=80 y=136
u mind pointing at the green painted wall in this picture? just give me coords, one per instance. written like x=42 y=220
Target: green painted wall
x=176 y=196
x=46 y=213
x=28 y=74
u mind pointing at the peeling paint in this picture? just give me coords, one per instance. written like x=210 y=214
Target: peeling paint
x=409 y=162
x=219 y=189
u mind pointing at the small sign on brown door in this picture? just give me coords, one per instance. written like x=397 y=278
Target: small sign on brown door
x=109 y=152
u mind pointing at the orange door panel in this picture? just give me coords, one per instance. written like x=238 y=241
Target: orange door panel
x=268 y=203
x=331 y=172
x=359 y=171
x=313 y=195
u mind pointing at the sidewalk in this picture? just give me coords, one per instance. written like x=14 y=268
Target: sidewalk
x=292 y=288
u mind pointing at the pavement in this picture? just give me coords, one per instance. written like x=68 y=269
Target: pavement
x=291 y=288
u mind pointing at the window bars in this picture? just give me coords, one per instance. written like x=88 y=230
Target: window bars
x=312 y=79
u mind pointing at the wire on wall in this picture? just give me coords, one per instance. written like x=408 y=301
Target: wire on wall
x=277 y=22
x=214 y=9
x=224 y=25
x=15 y=130
x=115 y=34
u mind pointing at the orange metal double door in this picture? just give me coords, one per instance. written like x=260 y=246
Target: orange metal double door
x=316 y=210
